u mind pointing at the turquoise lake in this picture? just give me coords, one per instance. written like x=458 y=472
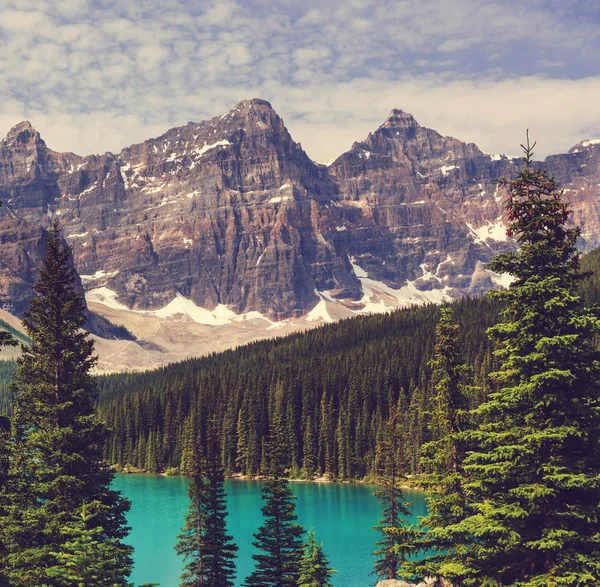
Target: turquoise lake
x=341 y=514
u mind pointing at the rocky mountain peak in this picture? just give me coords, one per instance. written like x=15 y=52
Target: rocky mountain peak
x=256 y=114
x=256 y=104
x=398 y=119
x=585 y=145
x=23 y=133
x=232 y=213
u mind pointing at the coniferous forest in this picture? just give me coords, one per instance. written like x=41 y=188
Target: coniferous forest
x=339 y=382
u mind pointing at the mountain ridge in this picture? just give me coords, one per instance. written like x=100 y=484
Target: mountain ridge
x=232 y=213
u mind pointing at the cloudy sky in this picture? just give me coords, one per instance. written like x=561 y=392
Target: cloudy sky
x=97 y=75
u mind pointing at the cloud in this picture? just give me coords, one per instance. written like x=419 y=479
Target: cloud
x=100 y=75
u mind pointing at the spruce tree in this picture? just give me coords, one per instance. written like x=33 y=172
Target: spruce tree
x=190 y=543
x=4 y=461
x=314 y=566
x=442 y=458
x=204 y=543
x=6 y=339
x=397 y=536
x=279 y=539
x=220 y=551
x=55 y=463
x=532 y=473
x=85 y=560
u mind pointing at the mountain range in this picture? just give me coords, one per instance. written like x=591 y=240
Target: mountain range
x=229 y=228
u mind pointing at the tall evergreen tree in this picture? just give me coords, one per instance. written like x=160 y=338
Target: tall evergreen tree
x=57 y=439
x=204 y=543
x=84 y=560
x=4 y=461
x=314 y=566
x=533 y=469
x=397 y=537
x=5 y=340
x=279 y=539
x=190 y=544
x=220 y=551
x=442 y=458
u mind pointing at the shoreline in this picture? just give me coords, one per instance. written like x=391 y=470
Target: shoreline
x=118 y=469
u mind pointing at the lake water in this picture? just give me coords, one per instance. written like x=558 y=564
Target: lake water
x=341 y=514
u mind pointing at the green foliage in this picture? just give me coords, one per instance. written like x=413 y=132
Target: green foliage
x=204 y=543
x=339 y=383
x=531 y=473
x=397 y=538
x=7 y=370
x=314 y=566
x=55 y=457
x=85 y=560
x=11 y=336
x=443 y=457
x=279 y=539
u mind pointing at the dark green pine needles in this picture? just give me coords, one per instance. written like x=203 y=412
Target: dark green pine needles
x=55 y=460
x=85 y=559
x=208 y=550
x=314 y=566
x=397 y=536
x=443 y=457
x=279 y=539
x=533 y=473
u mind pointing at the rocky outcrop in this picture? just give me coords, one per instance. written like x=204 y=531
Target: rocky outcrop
x=232 y=212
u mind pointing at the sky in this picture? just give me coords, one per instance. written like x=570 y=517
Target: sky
x=99 y=75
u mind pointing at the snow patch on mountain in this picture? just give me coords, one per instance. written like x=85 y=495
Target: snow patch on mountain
x=379 y=297
x=98 y=275
x=446 y=168
x=178 y=306
x=495 y=230
x=319 y=313
x=200 y=151
x=105 y=296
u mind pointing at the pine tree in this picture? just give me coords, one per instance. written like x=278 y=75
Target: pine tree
x=190 y=543
x=220 y=551
x=442 y=458
x=397 y=540
x=57 y=439
x=532 y=472
x=241 y=460
x=204 y=543
x=84 y=560
x=4 y=463
x=314 y=566
x=279 y=539
x=309 y=458
x=6 y=339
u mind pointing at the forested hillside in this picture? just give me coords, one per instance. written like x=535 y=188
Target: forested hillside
x=339 y=382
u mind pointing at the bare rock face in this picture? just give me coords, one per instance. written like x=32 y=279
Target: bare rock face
x=430 y=206
x=229 y=211
x=233 y=212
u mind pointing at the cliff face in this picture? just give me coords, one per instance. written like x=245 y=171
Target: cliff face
x=429 y=208
x=232 y=212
